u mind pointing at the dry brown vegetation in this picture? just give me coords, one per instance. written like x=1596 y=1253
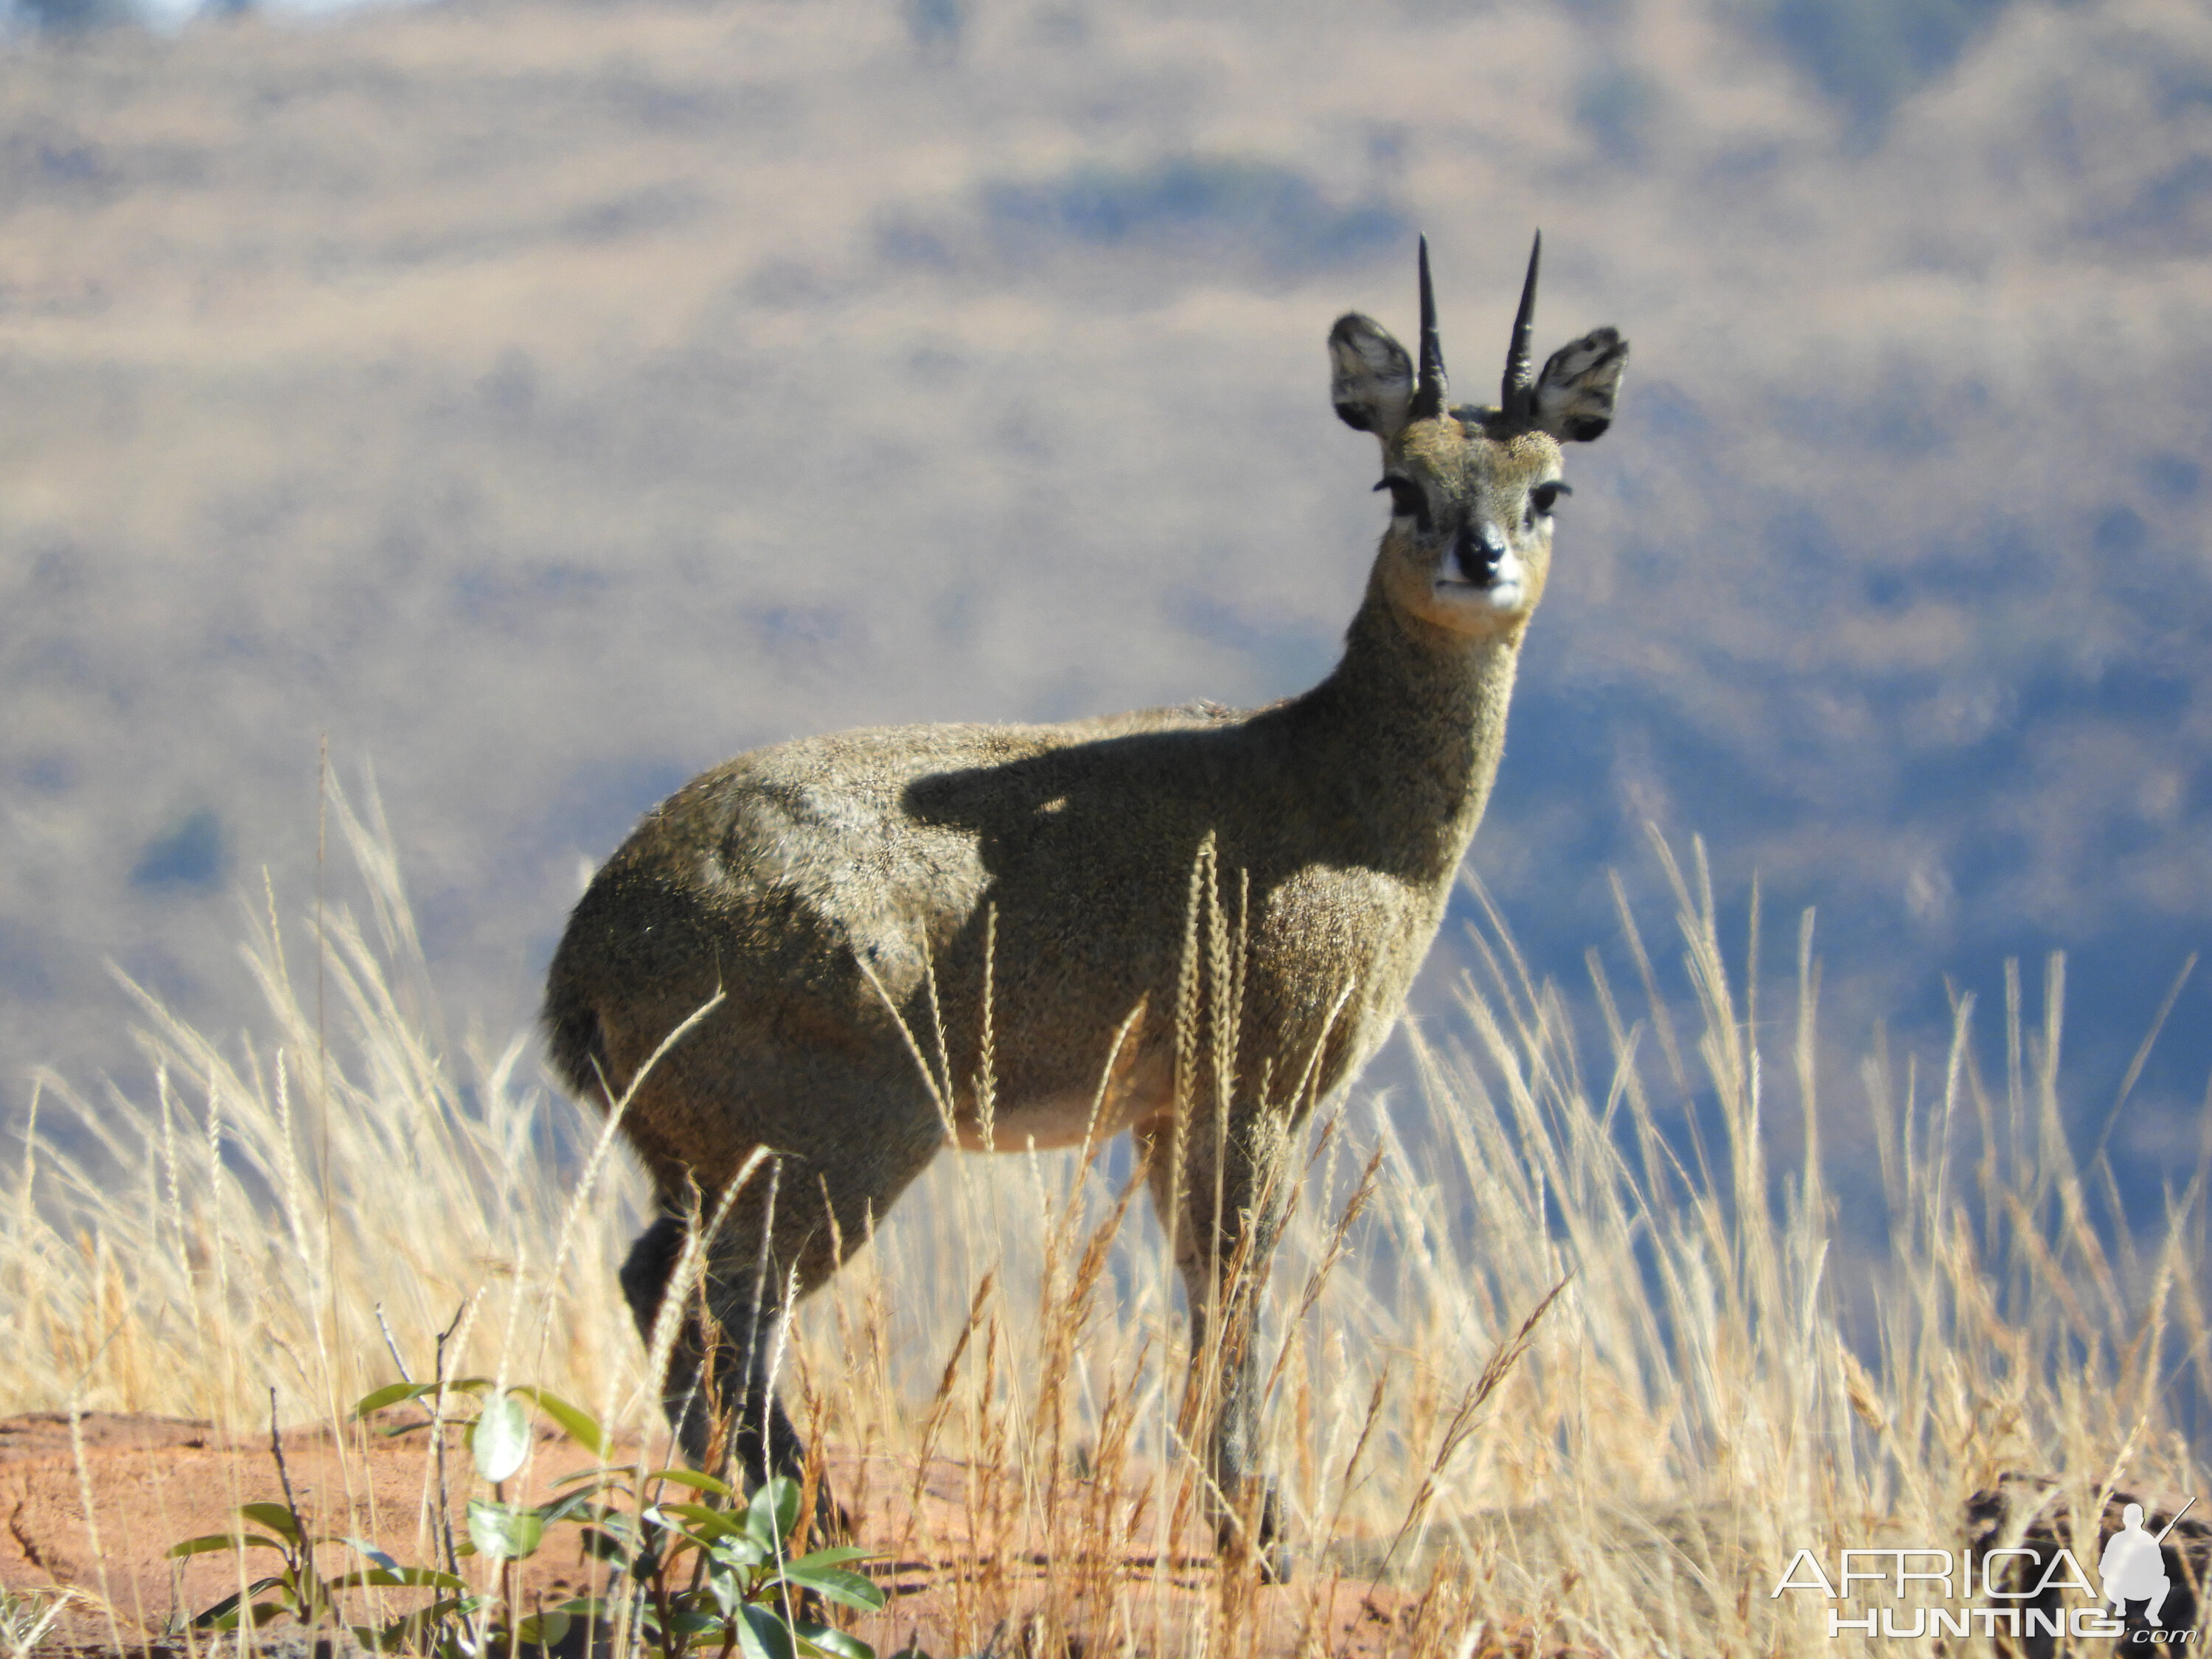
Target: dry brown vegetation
x=549 y=401
x=1562 y=1370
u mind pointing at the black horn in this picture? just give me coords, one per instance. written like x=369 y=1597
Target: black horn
x=1517 y=396
x=1429 y=391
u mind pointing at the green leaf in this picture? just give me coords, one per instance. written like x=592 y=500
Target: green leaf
x=835 y=1584
x=223 y=1616
x=836 y=1556
x=275 y=1517
x=361 y=1546
x=567 y=1506
x=210 y=1543
x=391 y=1394
x=592 y=1474
x=729 y=1587
x=544 y=1629
x=774 y=1510
x=500 y=1440
x=579 y=1424
x=823 y=1639
x=391 y=1577
x=688 y=1622
x=741 y=1549
x=764 y=1635
x=508 y=1532
x=693 y=1478
x=714 y=1523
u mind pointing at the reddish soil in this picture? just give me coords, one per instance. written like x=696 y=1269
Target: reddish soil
x=101 y=1520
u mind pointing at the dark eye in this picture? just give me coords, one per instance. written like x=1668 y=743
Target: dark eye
x=1407 y=501
x=1544 y=494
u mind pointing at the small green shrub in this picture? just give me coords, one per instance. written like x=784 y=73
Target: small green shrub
x=713 y=1570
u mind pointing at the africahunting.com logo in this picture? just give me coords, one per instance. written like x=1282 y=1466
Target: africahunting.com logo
x=2016 y=1591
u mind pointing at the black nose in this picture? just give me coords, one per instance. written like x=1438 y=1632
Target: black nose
x=1478 y=553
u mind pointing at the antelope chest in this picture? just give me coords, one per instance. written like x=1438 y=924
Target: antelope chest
x=1320 y=969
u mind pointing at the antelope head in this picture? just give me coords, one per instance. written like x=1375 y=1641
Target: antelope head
x=1472 y=489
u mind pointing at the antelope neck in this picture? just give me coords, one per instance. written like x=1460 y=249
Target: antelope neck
x=1407 y=732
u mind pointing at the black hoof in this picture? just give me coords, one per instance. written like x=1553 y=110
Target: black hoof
x=1263 y=1544
x=1277 y=1565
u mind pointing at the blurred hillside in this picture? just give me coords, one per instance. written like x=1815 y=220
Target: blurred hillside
x=543 y=402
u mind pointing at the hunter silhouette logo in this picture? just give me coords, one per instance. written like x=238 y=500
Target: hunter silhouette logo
x=2131 y=1566
x=2010 y=1591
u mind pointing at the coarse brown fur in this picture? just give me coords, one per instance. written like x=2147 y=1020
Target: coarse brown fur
x=851 y=895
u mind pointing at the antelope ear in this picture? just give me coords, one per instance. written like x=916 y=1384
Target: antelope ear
x=1371 y=378
x=1574 y=393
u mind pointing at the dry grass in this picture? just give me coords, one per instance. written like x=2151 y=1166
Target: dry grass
x=279 y=1201
x=1557 y=1345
